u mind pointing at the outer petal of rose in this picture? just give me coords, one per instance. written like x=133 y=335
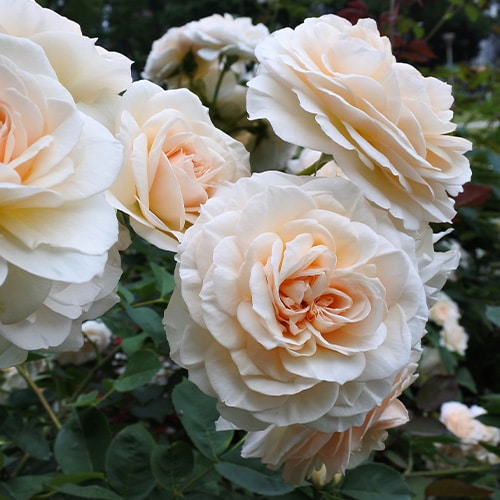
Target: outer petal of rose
x=84 y=69
x=90 y=178
x=51 y=329
x=10 y=355
x=23 y=18
x=21 y=293
x=62 y=227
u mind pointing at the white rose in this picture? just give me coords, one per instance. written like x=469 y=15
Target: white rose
x=303 y=450
x=205 y=41
x=336 y=88
x=174 y=158
x=55 y=223
x=88 y=71
x=297 y=302
x=97 y=339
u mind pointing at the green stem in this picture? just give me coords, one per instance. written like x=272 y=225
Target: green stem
x=24 y=373
x=449 y=472
x=91 y=373
x=312 y=169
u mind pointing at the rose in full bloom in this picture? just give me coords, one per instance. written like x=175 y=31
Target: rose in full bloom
x=336 y=88
x=298 y=302
x=88 y=71
x=56 y=227
x=195 y=48
x=453 y=336
x=174 y=158
x=303 y=450
x=97 y=339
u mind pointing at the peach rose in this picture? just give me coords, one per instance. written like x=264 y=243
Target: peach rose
x=88 y=71
x=55 y=224
x=336 y=88
x=297 y=302
x=303 y=450
x=174 y=158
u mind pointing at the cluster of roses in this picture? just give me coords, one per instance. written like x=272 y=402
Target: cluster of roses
x=301 y=301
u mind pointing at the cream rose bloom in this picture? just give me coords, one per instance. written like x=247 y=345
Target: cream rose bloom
x=453 y=336
x=195 y=48
x=336 y=88
x=55 y=224
x=297 y=302
x=174 y=158
x=444 y=309
x=88 y=71
x=303 y=450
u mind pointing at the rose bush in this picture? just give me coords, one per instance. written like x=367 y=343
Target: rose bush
x=56 y=228
x=297 y=302
x=384 y=123
x=174 y=157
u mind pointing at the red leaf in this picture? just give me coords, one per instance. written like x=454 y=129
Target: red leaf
x=455 y=488
x=355 y=10
x=473 y=195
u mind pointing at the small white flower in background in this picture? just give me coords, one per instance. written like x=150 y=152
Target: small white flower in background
x=445 y=313
x=97 y=337
x=453 y=336
x=461 y=421
x=444 y=309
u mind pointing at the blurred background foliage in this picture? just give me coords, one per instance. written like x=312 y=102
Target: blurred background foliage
x=130 y=26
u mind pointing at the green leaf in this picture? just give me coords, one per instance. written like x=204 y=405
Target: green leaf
x=149 y=321
x=88 y=399
x=140 y=368
x=81 y=443
x=165 y=282
x=262 y=483
x=29 y=439
x=375 y=482
x=26 y=487
x=131 y=345
x=90 y=491
x=128 y=464
x=170 y=464
x=198 y=414
x=424 y=426
x=76 y=478
x=493 y=314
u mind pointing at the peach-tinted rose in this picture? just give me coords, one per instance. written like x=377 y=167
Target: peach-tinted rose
x=453 y=336
x=174 y=158
x=444 y=309
x=303 y=450
x=56 y=227
x=297 y=302
x=336 y=88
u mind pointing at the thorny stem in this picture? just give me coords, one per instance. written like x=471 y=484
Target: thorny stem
x=39 y=394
